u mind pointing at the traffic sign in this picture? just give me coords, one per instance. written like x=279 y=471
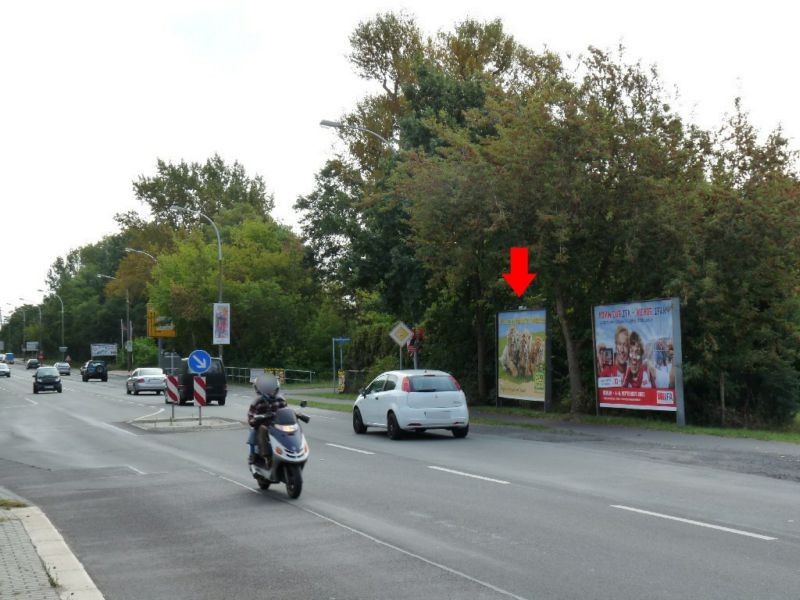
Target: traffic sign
x=200 y=390
x=172 y=389
x=199 y=361
x=341 y=339
x=400 y=333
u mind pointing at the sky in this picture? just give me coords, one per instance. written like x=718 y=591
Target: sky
x=93 y=93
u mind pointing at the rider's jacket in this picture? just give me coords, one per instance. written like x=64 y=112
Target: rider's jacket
x=264 y=405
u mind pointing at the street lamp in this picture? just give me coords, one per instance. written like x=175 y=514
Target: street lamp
x=150 y=256
x=127 y=315
x=24 y=326
x=340 y=125
x=62 y=319
x=219 y=255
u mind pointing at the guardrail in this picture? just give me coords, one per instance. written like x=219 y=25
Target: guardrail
x=242 y=375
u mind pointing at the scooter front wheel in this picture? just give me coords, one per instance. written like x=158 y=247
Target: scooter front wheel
x=263 y=483
x=294 y=481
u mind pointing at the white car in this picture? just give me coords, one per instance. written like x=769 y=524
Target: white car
x=412 y=400
x=146 y=379
x=5 y=371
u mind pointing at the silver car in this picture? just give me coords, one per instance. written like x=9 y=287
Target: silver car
x=63 y=368
x=146 y=379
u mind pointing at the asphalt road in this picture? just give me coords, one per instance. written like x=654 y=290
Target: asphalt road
x=155 y=515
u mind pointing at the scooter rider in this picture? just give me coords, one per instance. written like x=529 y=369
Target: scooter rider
x=262 y=410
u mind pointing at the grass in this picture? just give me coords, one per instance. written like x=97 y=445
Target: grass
x=8 y=503
x=324 y=405
x=332 y=396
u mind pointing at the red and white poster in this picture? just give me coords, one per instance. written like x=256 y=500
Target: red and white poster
x=637 y=353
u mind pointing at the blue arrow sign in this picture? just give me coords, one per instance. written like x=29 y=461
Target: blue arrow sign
x=199 y=361
x=341 y=339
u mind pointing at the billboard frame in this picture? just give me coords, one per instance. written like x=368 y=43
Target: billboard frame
x=546 y=400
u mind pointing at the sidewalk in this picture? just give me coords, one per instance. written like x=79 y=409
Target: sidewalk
x=35 y=562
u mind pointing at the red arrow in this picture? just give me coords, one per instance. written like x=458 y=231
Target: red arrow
x=519 y=279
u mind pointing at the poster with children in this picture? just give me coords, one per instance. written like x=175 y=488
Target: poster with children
x=635 y=354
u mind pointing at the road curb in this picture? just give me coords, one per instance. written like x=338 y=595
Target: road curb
x=61 y=564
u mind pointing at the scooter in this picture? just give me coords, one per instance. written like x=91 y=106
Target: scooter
x=289 y=452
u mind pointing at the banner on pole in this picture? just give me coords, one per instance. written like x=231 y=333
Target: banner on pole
x=222 y=323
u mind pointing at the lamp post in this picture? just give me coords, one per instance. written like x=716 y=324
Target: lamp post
x=127 y=315
x=63 y=354
x=219 y=256
x=340 y=125
x=24 y=327
x=147 y=254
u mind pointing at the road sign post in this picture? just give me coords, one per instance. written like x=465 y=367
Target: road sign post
x=199 y=362
x=200 y=394
x=337 y=340
x=172 y=394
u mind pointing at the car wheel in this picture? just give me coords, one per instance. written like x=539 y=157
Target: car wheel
x=221 y=402
x=461 y=432
x=127 y=390
x=358 y=422
x=135 y=391
x=35 y=390
x=393 y=428
x=85 y=378
x=105 y=378
x=60 y=389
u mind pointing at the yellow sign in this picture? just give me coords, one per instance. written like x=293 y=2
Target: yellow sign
x=158 y=326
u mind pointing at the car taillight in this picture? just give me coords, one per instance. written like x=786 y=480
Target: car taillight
x=455 y=383
x=140 y=380
x=406 y=384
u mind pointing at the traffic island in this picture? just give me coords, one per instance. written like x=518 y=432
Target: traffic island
x=186 y=424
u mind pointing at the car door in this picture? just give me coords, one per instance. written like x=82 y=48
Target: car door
x=369 y=405
x=387 y=398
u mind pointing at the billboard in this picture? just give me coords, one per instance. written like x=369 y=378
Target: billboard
x=521 y=355
x=159 y=325
x=638 y=355
x=222 y=323
x=103 y=350
x=31 y=346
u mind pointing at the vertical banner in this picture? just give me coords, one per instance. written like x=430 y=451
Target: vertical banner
x=521 y=353
x=637 y=355
x=222 y=323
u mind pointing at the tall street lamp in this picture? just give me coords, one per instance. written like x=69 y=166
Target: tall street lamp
x=63 y=354
x=24 y=326
x=127 y=316
x=340 y=125
x=150 y=256
x=219 y=255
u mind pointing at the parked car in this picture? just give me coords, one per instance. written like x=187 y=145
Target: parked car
x=146 y=379
x=5 y=370
x=46 y=378
x=33 y=363
x=10 y=358
x=2 y=357
x=412 y=400
x=94 y=369
x=63 y=368
x=216 y=382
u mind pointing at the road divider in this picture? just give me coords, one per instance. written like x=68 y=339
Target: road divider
x=697 y=523
x=490 y=479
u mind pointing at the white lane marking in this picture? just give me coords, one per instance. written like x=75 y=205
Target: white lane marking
x=247 y=487
x=469 y=475
x=31 y=401
x=698 y=523
x=135 y=470
x=150 y=415
x=412 y=555
x=350 y=449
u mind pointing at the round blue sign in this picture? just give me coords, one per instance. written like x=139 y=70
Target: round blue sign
x=199 y=361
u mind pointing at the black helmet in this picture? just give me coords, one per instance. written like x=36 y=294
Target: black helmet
x=268 y=385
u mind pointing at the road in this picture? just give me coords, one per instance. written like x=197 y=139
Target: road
x=176 y=515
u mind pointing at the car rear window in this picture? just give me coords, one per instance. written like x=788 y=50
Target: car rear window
x=47 y=371
x=432 y=383
x=151 y=372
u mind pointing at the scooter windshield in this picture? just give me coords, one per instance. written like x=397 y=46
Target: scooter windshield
x=285 y=416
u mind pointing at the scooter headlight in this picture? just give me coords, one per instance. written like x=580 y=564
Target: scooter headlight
x=286 y=428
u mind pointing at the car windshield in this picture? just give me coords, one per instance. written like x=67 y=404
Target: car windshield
x=432 y=383
x=151 y=372
x=47 y=371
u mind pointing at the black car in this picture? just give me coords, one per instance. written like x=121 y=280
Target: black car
x=94 y=369
x=216 y=382
x=33 y=363
x=46 y=378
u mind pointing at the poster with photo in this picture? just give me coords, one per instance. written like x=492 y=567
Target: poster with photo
x=637 y=350
x=521 y=355
x=222 y=323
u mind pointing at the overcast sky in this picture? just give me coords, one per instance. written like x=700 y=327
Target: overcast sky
x=94 y=92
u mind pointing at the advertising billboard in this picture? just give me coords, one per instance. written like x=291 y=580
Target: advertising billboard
x=103 y=350
x=638 y=355
x=222 y=323
x=521 y=355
